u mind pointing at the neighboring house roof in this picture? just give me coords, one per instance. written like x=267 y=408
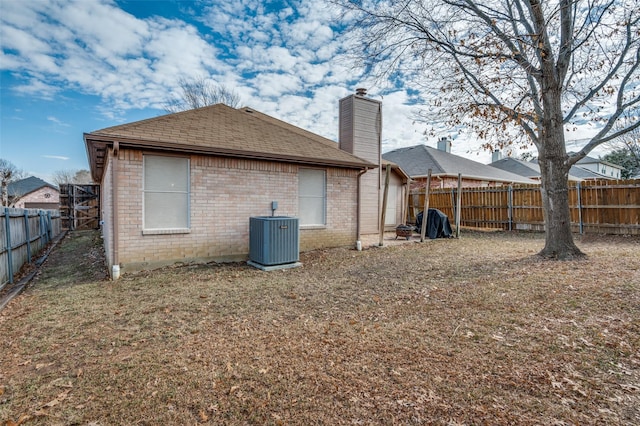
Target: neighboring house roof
x=26 y=186
x=581 y=173
x=221 y=130
x=531 y=169
x=576 y=172
x=417 y=160
x=519 y=167
x=591 y=160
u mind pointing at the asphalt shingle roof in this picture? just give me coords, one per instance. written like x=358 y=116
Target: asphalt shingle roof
x=25 y=186
x=417 y=160
x=519 y=167
x=575 y=172
x=222 y=130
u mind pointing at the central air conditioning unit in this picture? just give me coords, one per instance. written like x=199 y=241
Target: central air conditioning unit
x=274 y=242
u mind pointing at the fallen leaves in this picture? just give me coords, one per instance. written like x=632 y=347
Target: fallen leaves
x=21 y=420
x=44 y=410
x=470 y=331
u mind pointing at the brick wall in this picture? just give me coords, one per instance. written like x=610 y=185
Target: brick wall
x=39 y=196
x=225 y=192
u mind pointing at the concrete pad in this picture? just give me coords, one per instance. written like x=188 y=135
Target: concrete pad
x=273 y=267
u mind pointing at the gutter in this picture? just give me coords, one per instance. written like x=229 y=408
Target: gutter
x=443 y=175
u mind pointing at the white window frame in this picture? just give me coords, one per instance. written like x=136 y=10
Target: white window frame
x=148 y=229
x=305 y=222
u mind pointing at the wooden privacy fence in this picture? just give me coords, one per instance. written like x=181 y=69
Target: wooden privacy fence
x=610 y=207
x=23 y=234
x=80 y=206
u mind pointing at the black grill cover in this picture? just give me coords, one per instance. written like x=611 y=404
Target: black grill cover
x=438 y=225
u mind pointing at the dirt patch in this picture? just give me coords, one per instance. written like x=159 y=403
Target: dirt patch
x=471 y=331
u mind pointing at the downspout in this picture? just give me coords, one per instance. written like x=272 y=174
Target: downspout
x=380 y=165
x=358 y=236
x=115 y=267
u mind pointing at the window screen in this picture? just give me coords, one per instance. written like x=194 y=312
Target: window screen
x=166 y=192
x=312 y=196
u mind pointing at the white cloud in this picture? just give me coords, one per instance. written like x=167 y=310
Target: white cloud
x=276 y=85
x=57 y=121
x=56 y=157
x=97 y=48
x=286 y=62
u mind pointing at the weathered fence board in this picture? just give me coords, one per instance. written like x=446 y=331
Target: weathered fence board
x=80 y=206
x=611 y=207
x=23 y=234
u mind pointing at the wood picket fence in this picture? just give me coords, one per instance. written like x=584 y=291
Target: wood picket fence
x=80 y=206
x=607 y=207
x=23 y=234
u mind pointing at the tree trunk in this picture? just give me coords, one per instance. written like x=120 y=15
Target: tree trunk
x=554 y=171
x=555 y=200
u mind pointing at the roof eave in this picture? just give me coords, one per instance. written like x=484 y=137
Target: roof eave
x=455 y=175
x=97 y=145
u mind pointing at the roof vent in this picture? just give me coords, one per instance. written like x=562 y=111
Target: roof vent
x=361 y=91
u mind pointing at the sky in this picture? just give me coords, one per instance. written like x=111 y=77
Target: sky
x=69 y=67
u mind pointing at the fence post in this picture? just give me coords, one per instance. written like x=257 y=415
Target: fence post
x=459 y=205
x=383 y=213
x=578 y=188
x=49 y=227
x=405 y=213
x=27 y=235
x=7 y=224
x=41 y=226
x=453 y=202
x=510 y=207
x=425 y=209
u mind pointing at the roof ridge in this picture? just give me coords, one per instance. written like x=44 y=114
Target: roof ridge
x=160 y=117
x=437 y=163
x=28 y=185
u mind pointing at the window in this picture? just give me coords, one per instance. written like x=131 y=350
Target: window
x=166 y=193
x=312 y=197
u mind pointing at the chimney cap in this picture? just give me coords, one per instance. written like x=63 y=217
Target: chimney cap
x=361 y=91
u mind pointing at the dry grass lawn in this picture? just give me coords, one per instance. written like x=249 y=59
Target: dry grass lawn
x=471 y=331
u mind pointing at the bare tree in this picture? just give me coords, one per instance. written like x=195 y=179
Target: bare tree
x=80 y=177
x=8 y=173
x=62 y=177
x=200 y=92
x=83 y=177
x=523 y=71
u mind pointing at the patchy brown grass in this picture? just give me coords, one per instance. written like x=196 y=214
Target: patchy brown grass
x=471 y=331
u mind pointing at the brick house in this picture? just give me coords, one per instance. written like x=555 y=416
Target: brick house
x=33 y=193
x=182 y=187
